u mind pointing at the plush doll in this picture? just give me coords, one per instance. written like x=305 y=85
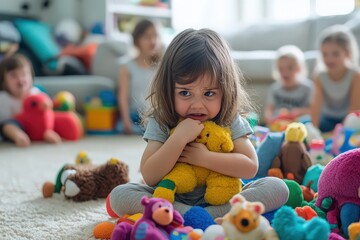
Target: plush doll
x=340 y=183
x=267 y=151
x=183 y=178
x=158 y=221
x=293 y=159
x=39 y=120
x=244 y=220
x=289 y=226
x=37 y=117
x=82 y=161
x=82 y=183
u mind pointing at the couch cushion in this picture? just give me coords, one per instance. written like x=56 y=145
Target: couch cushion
x=81 y=86
x=37 y=36
x=270 y=36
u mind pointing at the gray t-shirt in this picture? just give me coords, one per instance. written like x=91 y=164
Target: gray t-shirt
x=240 y=127
x=289 y=99
x=139 y=82
x=336 y=94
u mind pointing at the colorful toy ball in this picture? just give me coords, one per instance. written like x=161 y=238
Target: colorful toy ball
x=64 y=101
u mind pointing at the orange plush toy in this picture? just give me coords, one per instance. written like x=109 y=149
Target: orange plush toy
x=39 y=120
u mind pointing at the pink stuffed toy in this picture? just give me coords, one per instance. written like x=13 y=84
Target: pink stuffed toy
x=158 y=221
x=339 y=191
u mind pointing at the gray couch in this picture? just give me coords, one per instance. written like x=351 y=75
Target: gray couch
x=105 y=66
x=254 y=47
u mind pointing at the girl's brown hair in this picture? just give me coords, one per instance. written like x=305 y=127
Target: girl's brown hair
x=190 y=55
x=343 y=37
x=11 y=63
x=141 y=27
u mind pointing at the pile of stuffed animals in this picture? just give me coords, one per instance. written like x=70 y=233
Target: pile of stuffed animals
x=324 y=201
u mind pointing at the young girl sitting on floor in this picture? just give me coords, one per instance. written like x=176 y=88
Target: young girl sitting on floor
x=197 y=80
x=292 y=90
x=135 y=77
x=337 y=83
x=15 y=84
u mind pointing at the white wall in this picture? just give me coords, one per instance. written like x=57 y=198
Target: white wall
x=86 y=12
x=91 y=11
x=13 y=7
x=59 y=10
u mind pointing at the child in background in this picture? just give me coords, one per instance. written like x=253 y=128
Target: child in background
x=135 y=76
x=15 y=84
x=197 y=80
x=292 y=90
x=337 y=81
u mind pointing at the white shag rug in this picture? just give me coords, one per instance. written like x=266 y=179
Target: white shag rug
x=25 y=214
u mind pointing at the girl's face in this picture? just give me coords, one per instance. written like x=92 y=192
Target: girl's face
x=288 y=70
x=200 y=100
x=148 y=42
x=18 y=82
x=334 y=56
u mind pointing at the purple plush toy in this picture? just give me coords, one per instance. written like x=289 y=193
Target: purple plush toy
x=158 y=221
x=339 y=190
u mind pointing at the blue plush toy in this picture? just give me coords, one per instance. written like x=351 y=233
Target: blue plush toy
x=289 y=226
x=267 y=151
x=313 y=174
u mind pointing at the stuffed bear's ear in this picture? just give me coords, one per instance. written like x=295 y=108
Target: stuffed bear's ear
x=257 y=207
x=237 y=199
x=145 y=200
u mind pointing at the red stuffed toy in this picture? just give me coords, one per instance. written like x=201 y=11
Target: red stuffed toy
x=39 y=120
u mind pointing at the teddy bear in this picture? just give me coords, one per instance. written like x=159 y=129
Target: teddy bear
x=183 y=178
x=293 y=159
x=85 y=182
x=339 y=191
x=244 y=220
x=158 y=222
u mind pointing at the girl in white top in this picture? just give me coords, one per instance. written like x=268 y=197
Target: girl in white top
x=135 y=76
x=337 y=81
x=15 y=84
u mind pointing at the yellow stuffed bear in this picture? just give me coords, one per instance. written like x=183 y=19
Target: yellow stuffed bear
x=183 y=178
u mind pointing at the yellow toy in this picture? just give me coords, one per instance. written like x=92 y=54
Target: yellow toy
x=184 y=177
x=354 y=231
x=244 y=220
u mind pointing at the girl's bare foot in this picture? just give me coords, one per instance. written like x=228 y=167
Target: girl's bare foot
x=52 y=137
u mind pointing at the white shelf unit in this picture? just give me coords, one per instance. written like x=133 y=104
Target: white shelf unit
x=120 y=9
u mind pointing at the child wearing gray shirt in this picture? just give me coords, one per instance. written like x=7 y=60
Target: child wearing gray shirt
x=291 y=93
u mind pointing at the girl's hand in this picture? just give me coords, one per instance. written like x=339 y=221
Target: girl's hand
x=194 y=153
x=188 y=129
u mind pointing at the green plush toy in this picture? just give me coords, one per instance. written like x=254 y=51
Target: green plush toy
x=183 y=178
x=296 y=197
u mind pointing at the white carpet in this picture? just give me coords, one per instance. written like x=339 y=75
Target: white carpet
x=25 y=214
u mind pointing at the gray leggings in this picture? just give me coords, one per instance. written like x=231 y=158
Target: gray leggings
x=272 y=192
